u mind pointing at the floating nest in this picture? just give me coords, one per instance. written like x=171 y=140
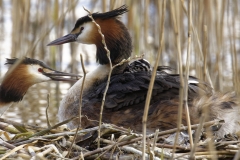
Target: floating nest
x=22 y=141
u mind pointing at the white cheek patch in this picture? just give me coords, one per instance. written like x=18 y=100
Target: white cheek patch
x=84 y=37
x=37 y=76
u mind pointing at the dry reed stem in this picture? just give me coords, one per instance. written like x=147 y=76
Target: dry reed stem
x=211 y=146
x=197 y=135
x=109 y=75
x=221 y=29
x=81 y=93
x=110 y=72
x=206 y=155
x=205 y=48
x=137 y=152
x=46 y=111
x=24 y=125
x=160 y=145
x=7 y=145
x=80 y=105
x=12 y=151
x=44 y=131
x=146 y=22
x=179 y=54
x=233 y=50
x=81 y=132
x=55 y=156
x=154 y=72
x=186 y=76
x=100 y=155
x=31 y=49
x=237 y=155
x=76 y=147
x=49 y=149
x=199 y=46
x=155 y=139
x=115 y=145
x=129 y=141
x=206 y=73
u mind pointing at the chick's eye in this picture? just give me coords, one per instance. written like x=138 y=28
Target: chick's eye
x=40 y=70
x=82 y=28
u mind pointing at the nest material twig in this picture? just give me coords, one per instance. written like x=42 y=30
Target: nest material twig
x=49 y=146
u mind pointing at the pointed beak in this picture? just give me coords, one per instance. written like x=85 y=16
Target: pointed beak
x=65 y=39
x=61 y=76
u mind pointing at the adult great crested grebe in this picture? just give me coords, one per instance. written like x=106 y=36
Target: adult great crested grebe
x=125 y=100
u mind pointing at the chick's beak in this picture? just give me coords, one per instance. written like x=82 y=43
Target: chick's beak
x=59 y=76
x=65 y=39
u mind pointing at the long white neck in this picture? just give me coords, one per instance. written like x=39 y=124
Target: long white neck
x=73 y=94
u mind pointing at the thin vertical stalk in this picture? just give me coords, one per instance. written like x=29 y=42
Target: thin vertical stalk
x=46 y=111
x=233 y=51
x=197 y=135
x=109 y=75
x=219 y=39
x=104 y=6
x=237 y=155
x=145 y=29
x=205 y=49
x=149 y=93
x=187 y=71
x=198 y=46
x=81 y=94
x=177 y=34
x=80 y=105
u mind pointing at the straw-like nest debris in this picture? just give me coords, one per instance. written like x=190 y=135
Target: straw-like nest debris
x=22 y=141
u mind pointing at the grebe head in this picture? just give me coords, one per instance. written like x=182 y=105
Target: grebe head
x=116 y=35
x=23 y=74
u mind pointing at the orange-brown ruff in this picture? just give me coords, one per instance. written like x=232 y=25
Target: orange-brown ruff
x=16 y=83
x=125 y=100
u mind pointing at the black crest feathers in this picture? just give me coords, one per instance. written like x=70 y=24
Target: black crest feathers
x=26 y=61
x=114 y=13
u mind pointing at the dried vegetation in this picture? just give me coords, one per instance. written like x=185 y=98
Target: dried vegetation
x=200 y=38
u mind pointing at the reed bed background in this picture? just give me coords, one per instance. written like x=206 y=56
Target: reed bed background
x=27 y=26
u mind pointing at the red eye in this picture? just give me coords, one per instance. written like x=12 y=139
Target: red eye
x=82 y=28
x=40 y=70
